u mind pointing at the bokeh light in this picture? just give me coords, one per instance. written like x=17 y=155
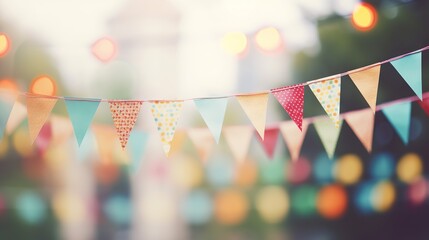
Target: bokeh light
x=363 y=197
x=4 y=44
x=298 y=171
x=382 y=166
x=104 y=49
x=187 y=172
x=269 y=39
x=30 y=207
x=418 y=192
x=220 y=171
x=246 y=174
x=234 y=43
x=118 y=209
x=332 y=201
x=2 y=205
x=197 y=208
x=9 y=85
x=304 y=200
x=158 y=207
x=383 y=196
x=231 y=207
x=43 y=85
x=21 y=142
x=4 y=147
x=348 y=169
x=106 y=172
x=272 y=172
x=409 y=168
x=68 y=207
x=272 y=203
x=364 y=17
x=323 y=168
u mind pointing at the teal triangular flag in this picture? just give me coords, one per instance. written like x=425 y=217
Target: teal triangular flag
x=328 y=134
x=410 y=68
x=399 y=115
x=137 y=145
x=6 y=104
x=81 y=113
x=213 y=113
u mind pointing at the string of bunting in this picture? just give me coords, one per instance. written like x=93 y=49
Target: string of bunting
x=166 y=113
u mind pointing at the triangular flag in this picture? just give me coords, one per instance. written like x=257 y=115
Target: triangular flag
x=410 y=68
x=292 y=100
x=367 y=83
x=166 y=115
x=362 y=124
x=328 y=93
x=213 y=113
x=424 y=104
x=81 y=114
x=270 y=141
x=44 y=138
x=124 y=114
x=203 y=141
x=138 y=141
x=238 y=139
x=328 y=134
x=293 y=137
x=62 y=129
x=17 y=115
x=38 y=110
x=6 y=104
x=399 y=115
x=255 y=107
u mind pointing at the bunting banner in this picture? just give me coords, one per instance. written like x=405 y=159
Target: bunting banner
x=399 y=115
x=213 y=113
x=6 y=104
x=292 y=100
x=328 y=134
x=38 y=111
x=166 y=115
x=137 y=146
x=270 y=142
x=255 y=107
x=362 y=124
x=238 y=139
x=81 y=114
x=203 y=142
x=124 y=116
x=293 y=137
x=367 y=83
x=410 y=68
x=328 y=93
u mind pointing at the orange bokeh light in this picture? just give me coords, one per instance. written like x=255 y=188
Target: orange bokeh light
x=104 y=49
x=9 y=85
x=43 y=85
x=231 y=207
x=364 y=17
x=246 y=174
x=4 y=44
x=332 y=201
x=269 y=39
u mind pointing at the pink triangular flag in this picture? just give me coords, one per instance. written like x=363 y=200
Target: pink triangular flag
x=238 y=139
x=44 y=138
x=61 y=129
x=362 y=124
x=38 y=110
x=17 y=115
x=292 y=100
x=270 y=141
x=255 y=107
x=124 y=114
x=203 y=141
x=367 y=83
x=293 y=137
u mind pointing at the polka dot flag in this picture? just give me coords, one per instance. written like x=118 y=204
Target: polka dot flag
x=124 y=114
x=292 y=100
x=166 y=115
x=328 y=93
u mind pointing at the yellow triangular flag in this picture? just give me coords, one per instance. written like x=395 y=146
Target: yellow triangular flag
x=38 y=110
x=362 y=124
x=328 y=93
x=203 y=140
x=255 y=107
x=367 y=83
x=293 y=137
x=238 y=139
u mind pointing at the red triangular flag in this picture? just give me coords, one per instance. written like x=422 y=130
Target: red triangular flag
x=292 y=100
x=424 y=104
x=124 y=116
x=270 y=141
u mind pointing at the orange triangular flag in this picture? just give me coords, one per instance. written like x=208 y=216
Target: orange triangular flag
x=203 y=141
x=238 y=139
x=38 y=110
x=367 y=83
x=124 y=114
x=293 y=137
x=362 y=124
x=255 y=107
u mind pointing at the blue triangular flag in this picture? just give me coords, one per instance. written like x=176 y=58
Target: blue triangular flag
x=137 y=145
x=410 y=68
x=81 y=113
x=399 y=115
x=213 y=113
x=6 y=104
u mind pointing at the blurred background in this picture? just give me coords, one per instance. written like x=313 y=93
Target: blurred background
x=176 y=49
